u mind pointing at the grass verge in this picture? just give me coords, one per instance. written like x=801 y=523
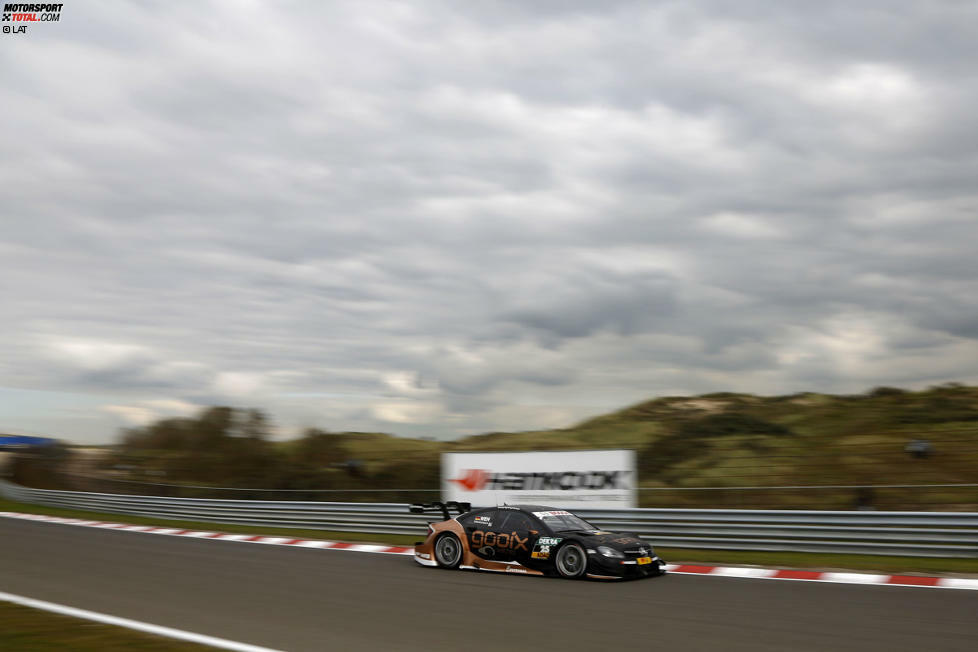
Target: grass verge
x=880 y=563
x=23 y=628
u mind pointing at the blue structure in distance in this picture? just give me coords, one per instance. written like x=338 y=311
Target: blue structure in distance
x=24 y=441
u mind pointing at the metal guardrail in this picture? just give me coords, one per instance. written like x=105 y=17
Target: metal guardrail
x=881 y=497
x=920 y=534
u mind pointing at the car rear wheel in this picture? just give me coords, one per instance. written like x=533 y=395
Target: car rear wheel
x=571 y=560
x=448 y=551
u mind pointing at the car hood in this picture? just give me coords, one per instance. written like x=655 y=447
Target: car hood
x=616 y=540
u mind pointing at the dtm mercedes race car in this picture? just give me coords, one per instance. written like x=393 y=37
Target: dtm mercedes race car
x=531 y=540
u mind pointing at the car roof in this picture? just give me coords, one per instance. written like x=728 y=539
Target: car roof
x=522 y=508
x=535 y=508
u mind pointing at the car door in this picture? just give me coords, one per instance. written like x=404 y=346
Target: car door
x=479 y=530
x=515 y=536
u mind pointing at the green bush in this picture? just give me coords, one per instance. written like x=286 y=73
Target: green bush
x=692 y=435
x=730 y=423
x=939 y=408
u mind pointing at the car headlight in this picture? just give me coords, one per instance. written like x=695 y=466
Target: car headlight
x=610 y=552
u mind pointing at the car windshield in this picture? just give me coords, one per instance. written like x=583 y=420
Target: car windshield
x=561 y=521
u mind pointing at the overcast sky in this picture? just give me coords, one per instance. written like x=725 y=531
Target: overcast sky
x=441 y=219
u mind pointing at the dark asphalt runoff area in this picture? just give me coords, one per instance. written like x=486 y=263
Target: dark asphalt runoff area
x=305 y=599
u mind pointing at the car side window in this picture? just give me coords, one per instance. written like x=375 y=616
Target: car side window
x=481 y=519
x=516 y=521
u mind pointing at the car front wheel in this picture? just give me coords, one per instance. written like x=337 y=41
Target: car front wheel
x=448 y=551
x=571 y=561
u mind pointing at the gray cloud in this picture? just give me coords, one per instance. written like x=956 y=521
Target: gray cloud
x=441 y=219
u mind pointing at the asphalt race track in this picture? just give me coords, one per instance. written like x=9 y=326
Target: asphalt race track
x=305 y=599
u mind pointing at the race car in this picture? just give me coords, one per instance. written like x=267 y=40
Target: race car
x=531 y=540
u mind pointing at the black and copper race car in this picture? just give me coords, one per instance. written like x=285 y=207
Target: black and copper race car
x=531 y=540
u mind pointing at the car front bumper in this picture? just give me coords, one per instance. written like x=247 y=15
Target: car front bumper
x=601 y=567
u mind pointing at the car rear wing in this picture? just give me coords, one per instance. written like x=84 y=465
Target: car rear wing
x=443 y=508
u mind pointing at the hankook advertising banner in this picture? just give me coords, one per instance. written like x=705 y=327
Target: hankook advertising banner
x=601 y=479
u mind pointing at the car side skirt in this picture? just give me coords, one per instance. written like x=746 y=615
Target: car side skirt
x=501 y=567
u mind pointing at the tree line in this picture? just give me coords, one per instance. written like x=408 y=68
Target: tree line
x=232 y=447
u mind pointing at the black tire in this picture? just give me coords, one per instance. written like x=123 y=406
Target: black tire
x=570 y=561
x=448 y=551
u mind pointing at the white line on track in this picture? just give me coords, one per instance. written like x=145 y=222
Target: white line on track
x=159 y=630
